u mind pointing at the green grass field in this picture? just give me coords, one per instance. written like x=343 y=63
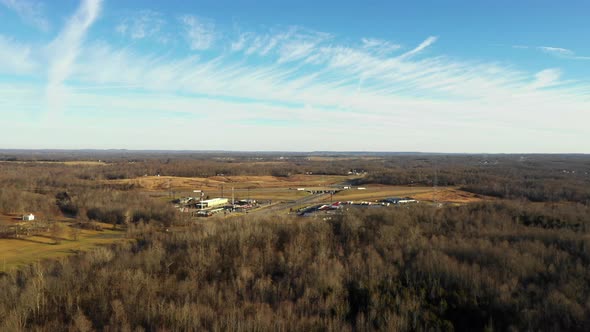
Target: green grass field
x=15 y=253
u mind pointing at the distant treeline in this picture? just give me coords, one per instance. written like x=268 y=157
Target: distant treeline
x=538 y=178
x=28 y=187
x=518 y=263
x=51 y=191
x=490 y=266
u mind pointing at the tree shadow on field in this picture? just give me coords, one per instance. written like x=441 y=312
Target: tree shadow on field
x=53 y=238
x=30 y=240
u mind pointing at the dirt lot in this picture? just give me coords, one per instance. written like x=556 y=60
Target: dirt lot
x=443 y=194
x=373 y=192
x=451 y=195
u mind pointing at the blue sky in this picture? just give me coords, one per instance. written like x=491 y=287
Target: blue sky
x=441 y=76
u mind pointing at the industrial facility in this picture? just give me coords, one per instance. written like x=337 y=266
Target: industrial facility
x=211 y=203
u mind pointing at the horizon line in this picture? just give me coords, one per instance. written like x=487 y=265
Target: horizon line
x=185 y=151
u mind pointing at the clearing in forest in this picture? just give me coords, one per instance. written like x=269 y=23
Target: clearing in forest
x=19 y=252
x=163 y=183
x=421 y=193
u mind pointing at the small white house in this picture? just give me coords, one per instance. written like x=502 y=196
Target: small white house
x=28 y=217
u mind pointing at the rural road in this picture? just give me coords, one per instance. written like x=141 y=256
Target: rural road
x=288 y=205
x=296 y=203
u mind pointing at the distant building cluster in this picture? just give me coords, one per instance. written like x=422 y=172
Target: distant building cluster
x=209 y=207
x=357 y=172
x=330 y=208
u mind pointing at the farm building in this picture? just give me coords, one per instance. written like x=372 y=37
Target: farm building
x=28 y=217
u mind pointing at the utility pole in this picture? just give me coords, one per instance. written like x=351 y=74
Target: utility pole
x=435 y=186
x=233 y=200
x=201 y=200
x=202 y=193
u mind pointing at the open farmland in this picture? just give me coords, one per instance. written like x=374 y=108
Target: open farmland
x=499 y=230
x=19 y=252
x=165 y=183
x=68 y=162
x=451 y=195
x=373 y=192
x=8 y=219
x=278 y=194
x=245 y=187
x=420 y=193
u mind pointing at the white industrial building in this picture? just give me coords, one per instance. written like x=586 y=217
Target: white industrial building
x=214 y=202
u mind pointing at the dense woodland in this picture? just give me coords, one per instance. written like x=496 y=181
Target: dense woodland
x=519 y=262
x=538 y=178
x=492 y=266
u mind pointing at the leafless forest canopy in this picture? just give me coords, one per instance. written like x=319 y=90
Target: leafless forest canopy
x=519 y=260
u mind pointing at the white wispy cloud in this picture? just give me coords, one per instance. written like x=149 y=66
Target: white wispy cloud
x=380 y=46
x=386 y=81
x=240 y=43
x=559 y=52
x=64 y=50
x=143 y=24
x=546 y=78
x=556 y=51
x=562 y=52
x=303 y=79
x=263 y=44
x=292 y=44
x=199 y=32
x=16 y=58
x=31 y=12
x=299 y=44
x=333 y=85
x=429 y=41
